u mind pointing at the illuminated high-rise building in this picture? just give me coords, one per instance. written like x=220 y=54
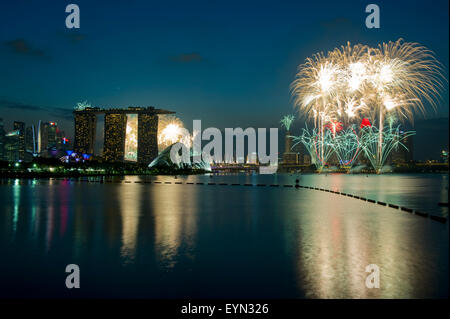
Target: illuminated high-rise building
x=12 y=146
x=114 y=143
x=62 y=142
x=130 y=134
x=43 y=137
x=289 y=157
x=147 y=138
x=30 y=139
x=85 y=128
x=20 y=140
x=2 y=141
x=52 y=128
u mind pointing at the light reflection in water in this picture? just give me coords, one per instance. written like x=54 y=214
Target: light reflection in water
x=334 y=246
x=175 y=224
x=64 y=193
x=16 y=199
x=32 y=220
x=417 y=191
x=50 y=216
x=130 y=208
x=321 y=249
x=79 y=230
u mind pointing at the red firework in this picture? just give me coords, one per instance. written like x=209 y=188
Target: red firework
x=334 y=126
x=365 y=122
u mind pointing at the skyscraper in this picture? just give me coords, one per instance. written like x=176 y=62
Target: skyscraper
x=43 y=138
x=85 y=128
x=289 y=157
x=30 y=140
x=147 y=138
x=2 y=141
x=20 y=140
x=62 y=142
x=52 y=128
x=12 y=144
x=114 y=143
x=130 y=134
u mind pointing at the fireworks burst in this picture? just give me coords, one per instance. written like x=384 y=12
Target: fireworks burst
x=353 y=82
x=320 y=147
x=347 y=147
x=392 y=139
x=287 y=121
x=349 y=144
x=171 y=131
x=82 y=106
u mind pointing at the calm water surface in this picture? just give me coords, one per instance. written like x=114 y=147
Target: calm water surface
x=138 y=240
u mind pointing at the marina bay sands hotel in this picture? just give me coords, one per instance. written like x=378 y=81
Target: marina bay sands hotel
x=130 y=134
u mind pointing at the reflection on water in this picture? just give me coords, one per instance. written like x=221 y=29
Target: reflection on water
x=149 y=240
x=334 y=249
x=16 y=205
x=130 y=207
x=50 y=216
x=175 y=213
x=418 y=191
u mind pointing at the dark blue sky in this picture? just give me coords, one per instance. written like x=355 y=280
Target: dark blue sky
x=228 y=63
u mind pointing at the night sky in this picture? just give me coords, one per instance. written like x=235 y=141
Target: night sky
x=228 y=63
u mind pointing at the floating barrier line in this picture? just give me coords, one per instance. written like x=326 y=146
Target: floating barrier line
x=406 y=209
x=397 y=207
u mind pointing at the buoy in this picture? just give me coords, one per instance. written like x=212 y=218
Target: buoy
x=438 y=218
x=421 y=214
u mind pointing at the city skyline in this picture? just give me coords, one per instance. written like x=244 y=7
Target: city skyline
x=421 y=149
